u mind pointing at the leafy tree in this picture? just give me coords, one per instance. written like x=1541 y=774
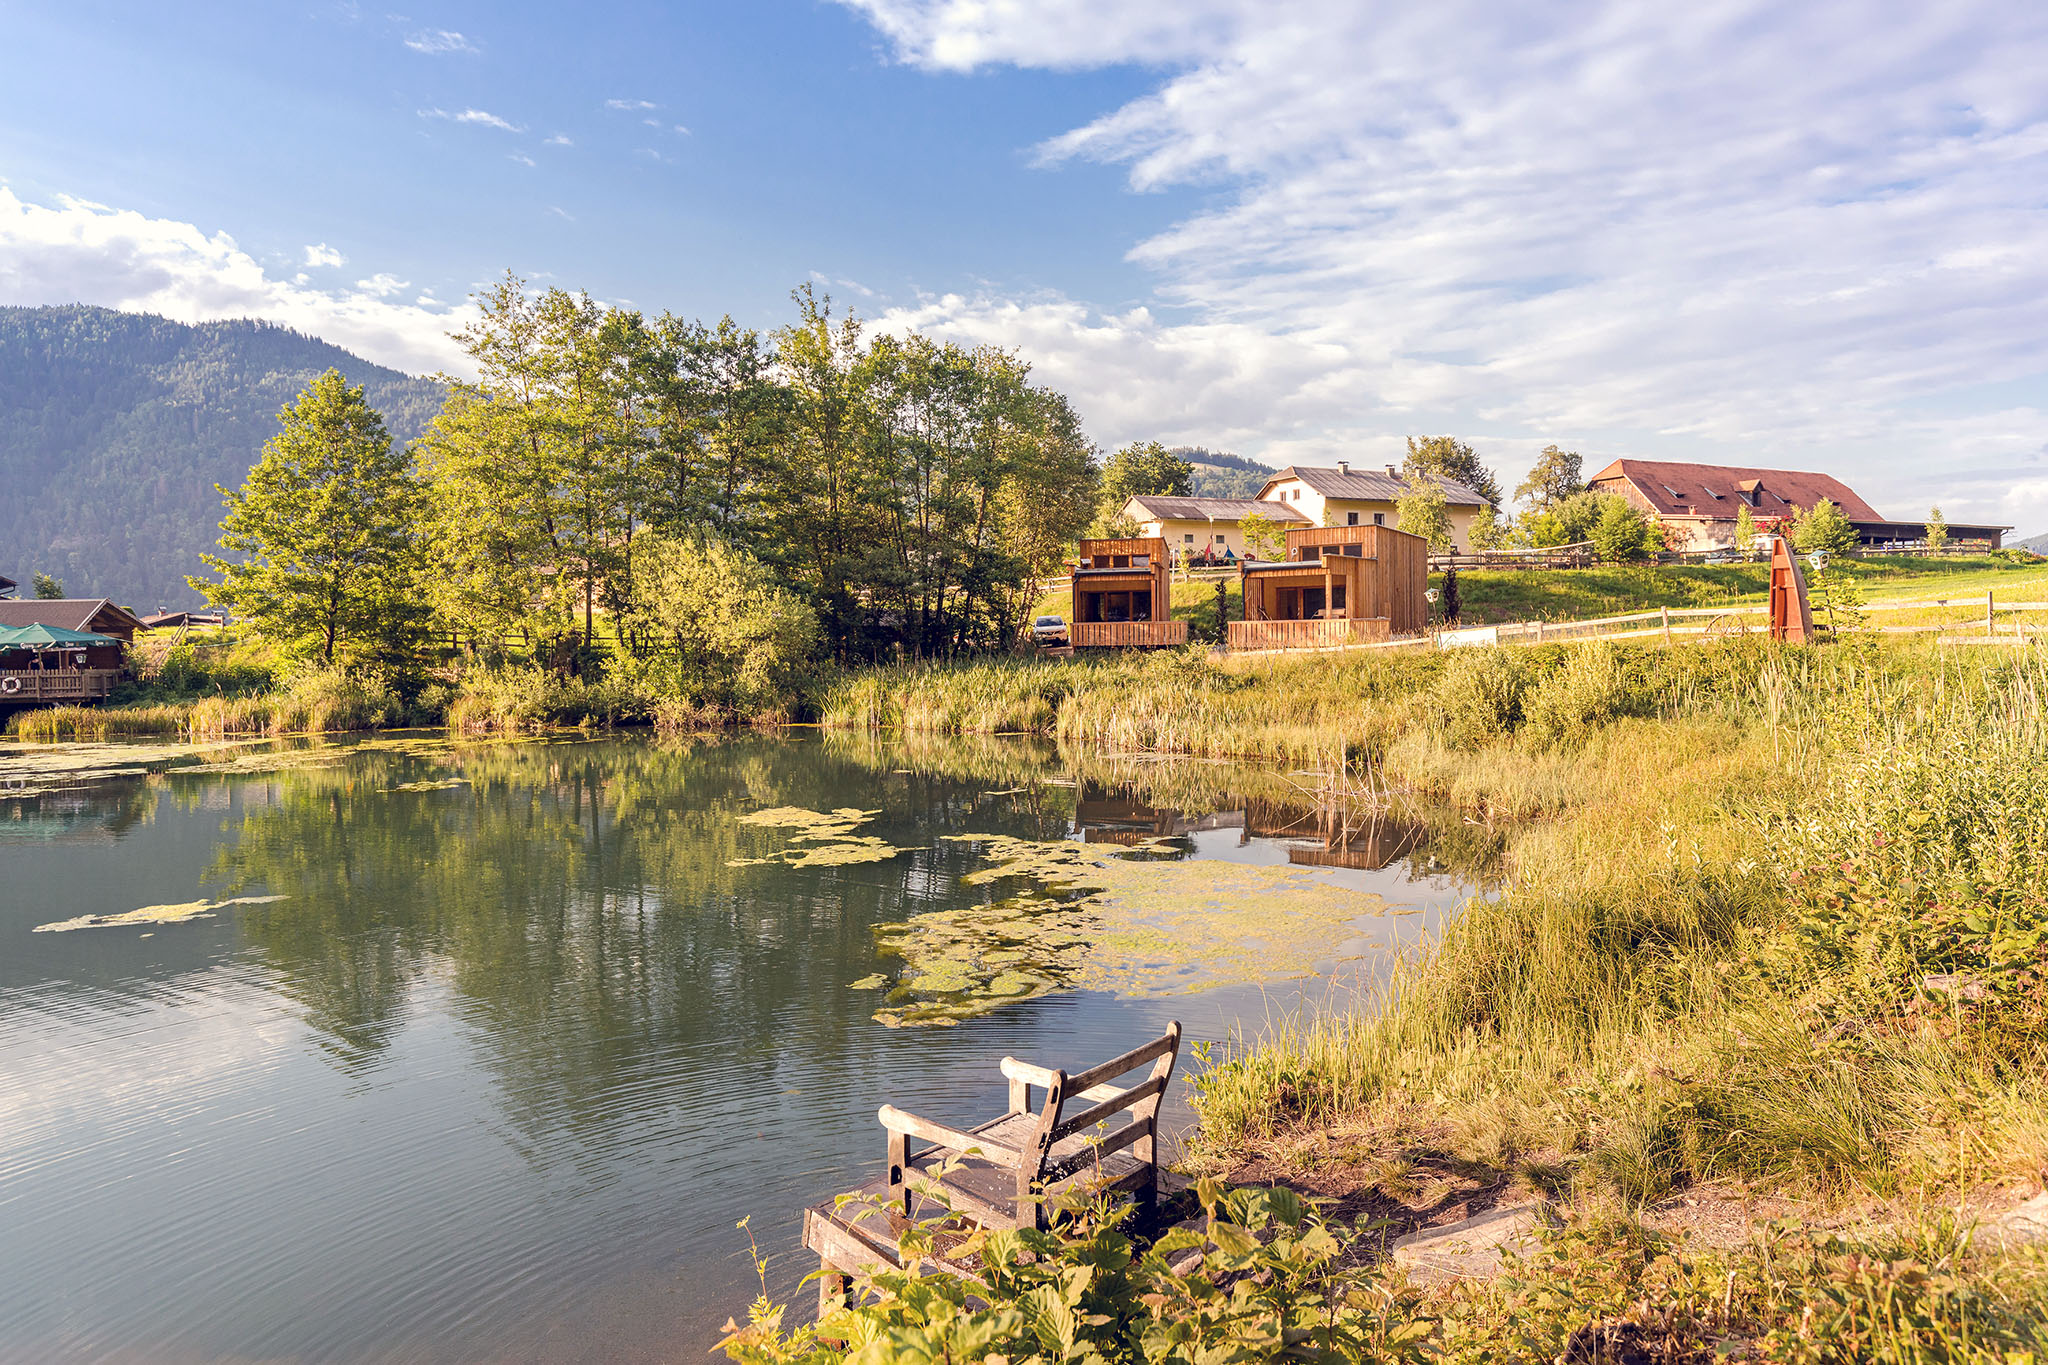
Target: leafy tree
x=47 y=588
x=1569 y=521
x=1423 y=510
x=1745 y=529
x=1264 y=537
x=712 y=626
x=1554 y=477
x=1937 y=529
x=1450 y=458
x=1488 y=531
x=1621 y=535
x=1141 y=469
x=1823 y=527
x=324 y=523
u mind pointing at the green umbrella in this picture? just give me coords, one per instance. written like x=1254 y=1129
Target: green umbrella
x=40 y=636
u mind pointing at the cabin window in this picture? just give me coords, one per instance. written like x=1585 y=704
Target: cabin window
x=1355 y=550
x=1351 y=518
x=1311 y=552
x=1141 y=561
x=1337 y=597
x=1119 y=561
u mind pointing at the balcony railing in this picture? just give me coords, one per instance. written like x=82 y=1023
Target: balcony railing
x=57 y=684
x=1309 y=634
x=1128 y=634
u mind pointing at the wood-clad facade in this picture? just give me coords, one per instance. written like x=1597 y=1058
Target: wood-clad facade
x=1338 y=585
x=1123 y=596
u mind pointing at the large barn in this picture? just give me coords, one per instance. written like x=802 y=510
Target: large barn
x=1697 y=504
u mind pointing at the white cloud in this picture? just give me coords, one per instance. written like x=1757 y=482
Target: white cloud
x=80 y=252
x=435 y=41
x=1734 y=230
x=383 y=286
x=561 y=212
x=521 y=157
x=322 y=254
x=479 y=117
x=681 y=130
x=559 y=140
x=631 y=106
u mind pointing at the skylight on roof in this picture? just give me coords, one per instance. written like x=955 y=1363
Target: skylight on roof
x=1669 y=489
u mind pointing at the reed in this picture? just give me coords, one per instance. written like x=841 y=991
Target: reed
x=97 y=722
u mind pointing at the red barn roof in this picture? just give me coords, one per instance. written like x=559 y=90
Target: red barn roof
x=1671 y=488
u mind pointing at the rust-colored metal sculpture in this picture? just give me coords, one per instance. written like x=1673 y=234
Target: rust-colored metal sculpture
x=1791 y=616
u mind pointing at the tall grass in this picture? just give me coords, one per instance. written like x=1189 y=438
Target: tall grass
x=97 y=722
x=1714 y=960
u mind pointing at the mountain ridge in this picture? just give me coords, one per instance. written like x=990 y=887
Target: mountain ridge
x=115 y=427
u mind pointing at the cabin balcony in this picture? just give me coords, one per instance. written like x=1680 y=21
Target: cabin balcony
x=21 y=686
x=1326 y=633
x=1128 y=634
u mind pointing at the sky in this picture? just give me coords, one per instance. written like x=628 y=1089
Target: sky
x=1809 y=236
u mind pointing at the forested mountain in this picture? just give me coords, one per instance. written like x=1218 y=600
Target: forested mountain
x=1219 y=474
x=115 y=427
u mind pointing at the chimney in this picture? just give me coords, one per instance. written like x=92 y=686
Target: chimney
x=1343 y=466
x=1393 y=472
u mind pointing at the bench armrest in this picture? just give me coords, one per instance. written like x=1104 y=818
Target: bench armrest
x=896 y=1121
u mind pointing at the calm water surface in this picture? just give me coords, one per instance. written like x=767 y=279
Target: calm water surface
x=498 y=1075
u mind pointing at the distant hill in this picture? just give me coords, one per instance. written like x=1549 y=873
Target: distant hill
x=1219 y=474
x=114 y=428
x=2038 y=544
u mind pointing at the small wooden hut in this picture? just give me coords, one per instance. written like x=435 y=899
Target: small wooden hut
x=1338 y=585
x=1123 y=595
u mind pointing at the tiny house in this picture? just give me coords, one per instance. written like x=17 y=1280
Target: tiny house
x=1338 y=585
x=1123 y=595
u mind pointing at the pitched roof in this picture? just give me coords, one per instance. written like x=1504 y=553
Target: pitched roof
x=1359 y=485
x=1212 y=509
x=1674 y=488
x=66 y=613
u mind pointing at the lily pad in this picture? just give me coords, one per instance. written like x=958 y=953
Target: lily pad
x=831 y=831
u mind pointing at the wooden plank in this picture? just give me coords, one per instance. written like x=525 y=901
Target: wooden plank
x=1109 y=1108
x=897 y=1121
x=1129 y=1061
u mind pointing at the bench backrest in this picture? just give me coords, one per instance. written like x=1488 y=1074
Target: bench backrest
x=1101 y=1100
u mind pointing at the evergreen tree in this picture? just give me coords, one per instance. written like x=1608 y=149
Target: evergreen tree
x=47 y=589
x=324 y=525
x=1937 y=529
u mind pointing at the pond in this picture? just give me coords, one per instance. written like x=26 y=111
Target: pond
x=407 y=1050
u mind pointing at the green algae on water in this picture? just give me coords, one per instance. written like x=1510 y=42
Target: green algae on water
x=830 y=834
x=1103 y=917
x=152 y=914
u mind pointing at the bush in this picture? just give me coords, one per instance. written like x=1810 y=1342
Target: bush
x=713 y=627
x=1599 y=684
x=1479 y=695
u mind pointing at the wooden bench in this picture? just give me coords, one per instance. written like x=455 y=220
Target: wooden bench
x=999 y=1174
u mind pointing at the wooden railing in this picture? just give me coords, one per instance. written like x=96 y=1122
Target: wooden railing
x=1310 y=634
x=1128 y=634
x=57 y=684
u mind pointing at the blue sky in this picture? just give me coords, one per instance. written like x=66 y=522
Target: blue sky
x=1813 y=236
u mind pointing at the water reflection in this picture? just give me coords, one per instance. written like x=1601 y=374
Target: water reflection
x=498 y=1074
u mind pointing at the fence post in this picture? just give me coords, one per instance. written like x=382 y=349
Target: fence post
x=1667 y=626
x=1539 y=632
x=1989 y=628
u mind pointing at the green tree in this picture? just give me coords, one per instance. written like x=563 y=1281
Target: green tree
x=1823 y=527
x=324 y=526
x=1745 y=529
x=1447 y=457
x=47 y=589
x=1147 y=468
x=712 y=626
x=1264 y=537
x=1569 y=521
x=1489 y=532
x=1423 y=510
x=1554 y=477
x=1937 y=529
x=1623 y=533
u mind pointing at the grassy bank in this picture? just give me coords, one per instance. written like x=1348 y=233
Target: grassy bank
x=1775 y=937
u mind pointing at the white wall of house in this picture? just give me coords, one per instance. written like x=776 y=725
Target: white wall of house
x=1190 y=537
x=1322 y=511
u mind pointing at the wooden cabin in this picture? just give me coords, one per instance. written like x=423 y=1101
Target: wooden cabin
x=1123 y=595
x=1338 y=585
